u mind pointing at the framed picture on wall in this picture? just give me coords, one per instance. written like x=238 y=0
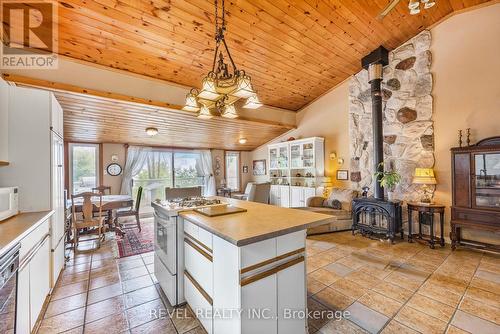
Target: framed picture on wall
x=259 y=167
x=245 y=169
x=342 y=175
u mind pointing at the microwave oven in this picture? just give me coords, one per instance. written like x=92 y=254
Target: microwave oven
x=9 y=202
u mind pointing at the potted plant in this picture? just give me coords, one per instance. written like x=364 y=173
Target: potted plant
x=388 y=180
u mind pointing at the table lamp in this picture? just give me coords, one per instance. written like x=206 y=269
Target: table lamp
x=425 y=177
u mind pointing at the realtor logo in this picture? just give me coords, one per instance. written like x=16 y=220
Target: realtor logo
x=29 y=37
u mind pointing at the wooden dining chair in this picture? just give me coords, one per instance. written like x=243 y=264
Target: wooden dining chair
x=102 y=190
x=86 y=220
x=132 y=211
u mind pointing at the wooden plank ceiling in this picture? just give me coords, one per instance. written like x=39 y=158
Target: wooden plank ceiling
x=97 y=119
x=294 y=50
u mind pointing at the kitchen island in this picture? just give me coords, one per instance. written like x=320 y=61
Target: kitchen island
x=245 y=272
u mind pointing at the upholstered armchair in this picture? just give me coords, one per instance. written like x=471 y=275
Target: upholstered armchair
x=338 y=205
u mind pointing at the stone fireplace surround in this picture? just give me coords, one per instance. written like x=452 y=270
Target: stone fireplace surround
x=407 y=117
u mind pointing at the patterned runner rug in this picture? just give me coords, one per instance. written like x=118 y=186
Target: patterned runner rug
x=135 y=242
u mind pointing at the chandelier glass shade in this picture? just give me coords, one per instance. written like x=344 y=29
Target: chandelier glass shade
x=204 y=113
x=191 y=101
x=252 y=102
x=225 y=83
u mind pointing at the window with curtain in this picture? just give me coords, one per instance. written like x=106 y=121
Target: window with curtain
x=156 y=169
x=233 y=170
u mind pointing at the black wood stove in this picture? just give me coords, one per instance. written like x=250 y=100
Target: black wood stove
x=376 y=216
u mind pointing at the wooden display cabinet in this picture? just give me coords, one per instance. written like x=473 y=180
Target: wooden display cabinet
x=476 y=191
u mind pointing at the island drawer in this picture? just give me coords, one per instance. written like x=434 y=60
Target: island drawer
x=202 y=236
x=198 y=262
x=199 y=301
x=191 y=228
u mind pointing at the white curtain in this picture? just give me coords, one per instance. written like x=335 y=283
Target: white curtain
x=204 y=168
x=136 y=158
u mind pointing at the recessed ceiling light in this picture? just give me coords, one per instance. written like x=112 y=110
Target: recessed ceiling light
x=242 y=140
x=152 y=131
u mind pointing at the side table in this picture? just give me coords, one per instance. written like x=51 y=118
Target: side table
x=426 y=214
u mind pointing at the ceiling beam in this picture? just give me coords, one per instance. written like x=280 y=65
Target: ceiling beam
x=62 y=87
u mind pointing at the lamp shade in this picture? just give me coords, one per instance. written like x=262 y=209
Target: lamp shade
x=204 y=113
x=191 y=102
x=252 y=102
x=229 y=111
x=243 y=87
x=424 y=176
x=208 y=89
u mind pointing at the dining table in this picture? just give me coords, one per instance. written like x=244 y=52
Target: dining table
x=112 y=202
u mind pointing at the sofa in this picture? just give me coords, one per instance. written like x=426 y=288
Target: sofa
x=338 y=205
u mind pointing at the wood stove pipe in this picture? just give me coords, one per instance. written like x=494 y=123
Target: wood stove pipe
x=375 y=80
x=374 y=63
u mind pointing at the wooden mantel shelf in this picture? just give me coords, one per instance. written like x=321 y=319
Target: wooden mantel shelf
x=4 y=163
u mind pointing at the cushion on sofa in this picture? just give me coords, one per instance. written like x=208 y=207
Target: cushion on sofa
x=344 y=196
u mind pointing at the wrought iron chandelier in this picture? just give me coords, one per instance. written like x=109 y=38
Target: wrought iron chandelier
x=224 y=84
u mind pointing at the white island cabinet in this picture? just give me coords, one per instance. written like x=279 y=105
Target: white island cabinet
x=245 y=273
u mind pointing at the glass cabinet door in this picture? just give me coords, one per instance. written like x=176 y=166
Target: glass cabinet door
x=273 y=158
x=283 y=157
x=487 y=180
x=295 y=156
x=308 y=154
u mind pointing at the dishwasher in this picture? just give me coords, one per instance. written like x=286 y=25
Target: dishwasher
x=9 y=264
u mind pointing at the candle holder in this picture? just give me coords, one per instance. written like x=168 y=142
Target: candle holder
x=460 y=138
x=468 y=136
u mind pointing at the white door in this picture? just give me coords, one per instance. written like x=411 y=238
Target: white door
x=58 y=204
x=295 y=156
x=259 y=297
x=23 y=300
x=285 y=196
x=291 y=279
x=39 y=280
x=296 y=197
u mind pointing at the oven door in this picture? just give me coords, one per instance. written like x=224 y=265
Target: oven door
x=165 y=241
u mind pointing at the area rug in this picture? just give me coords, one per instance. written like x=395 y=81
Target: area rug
x=134 y=242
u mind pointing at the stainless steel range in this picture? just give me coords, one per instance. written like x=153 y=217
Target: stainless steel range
x=169 y=244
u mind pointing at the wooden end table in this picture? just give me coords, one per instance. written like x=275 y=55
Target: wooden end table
x=426 y=214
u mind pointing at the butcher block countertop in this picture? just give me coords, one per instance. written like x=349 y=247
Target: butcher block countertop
x=259 y=222
x=15 y=228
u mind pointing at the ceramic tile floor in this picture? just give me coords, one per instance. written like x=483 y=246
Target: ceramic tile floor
x=401 y=288
x=98 y=293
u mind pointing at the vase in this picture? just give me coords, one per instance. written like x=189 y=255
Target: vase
x=390 y=195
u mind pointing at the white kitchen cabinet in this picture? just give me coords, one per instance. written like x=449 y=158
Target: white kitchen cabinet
x=23 y=319
x=285 y=196
x=4 y=121
x=56 y=116
x=299 y=196
x=36 y=156
x=258 y=279
x=39 y=280
x=34 y=277
x=287 y=280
